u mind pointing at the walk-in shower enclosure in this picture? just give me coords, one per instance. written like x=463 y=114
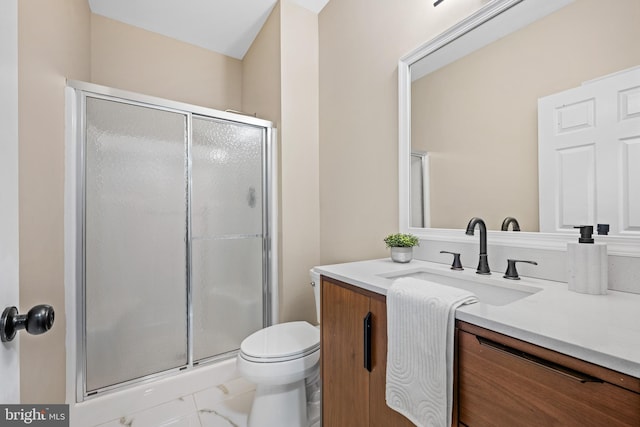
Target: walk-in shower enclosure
x=171 y=224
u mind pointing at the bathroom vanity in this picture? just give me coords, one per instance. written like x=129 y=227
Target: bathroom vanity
x=530 y=352
x=539 y=356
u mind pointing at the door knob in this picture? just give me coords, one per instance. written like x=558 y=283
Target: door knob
x=37 y=321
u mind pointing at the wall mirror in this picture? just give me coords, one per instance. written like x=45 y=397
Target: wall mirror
x=468 y=103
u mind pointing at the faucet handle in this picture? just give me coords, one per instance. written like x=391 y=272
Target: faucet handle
x=457 y=265
x=511 y=272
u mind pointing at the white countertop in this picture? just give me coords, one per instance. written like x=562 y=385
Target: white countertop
x=601 y=329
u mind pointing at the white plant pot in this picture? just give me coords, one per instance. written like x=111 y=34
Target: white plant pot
x=401 y=254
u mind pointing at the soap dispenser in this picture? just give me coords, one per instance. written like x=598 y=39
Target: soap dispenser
x=587 y=264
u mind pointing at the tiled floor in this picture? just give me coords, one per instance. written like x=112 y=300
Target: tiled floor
x=225 y=405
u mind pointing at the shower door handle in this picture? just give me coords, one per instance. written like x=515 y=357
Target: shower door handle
x=251 y=197
x=37 y=321
x=367 y=341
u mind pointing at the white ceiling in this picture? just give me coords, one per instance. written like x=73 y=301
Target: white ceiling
x=224 y=26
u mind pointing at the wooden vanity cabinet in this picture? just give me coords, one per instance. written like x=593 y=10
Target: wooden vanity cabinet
x=503 y=381
x=353 y=395
x=498 y=380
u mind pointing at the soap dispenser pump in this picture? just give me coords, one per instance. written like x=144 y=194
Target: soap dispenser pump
x=586 y=233
x=587 y=267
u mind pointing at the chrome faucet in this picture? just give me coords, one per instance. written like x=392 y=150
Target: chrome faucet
x=483 y=263
x=510 y=220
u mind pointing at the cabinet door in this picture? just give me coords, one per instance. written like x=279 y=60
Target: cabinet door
x=345 y=381
x=502 y=386
x=380 y=414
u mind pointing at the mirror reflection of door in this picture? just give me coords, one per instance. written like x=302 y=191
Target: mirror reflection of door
x=589 y=149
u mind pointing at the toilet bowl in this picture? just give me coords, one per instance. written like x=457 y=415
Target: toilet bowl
x=283 y=362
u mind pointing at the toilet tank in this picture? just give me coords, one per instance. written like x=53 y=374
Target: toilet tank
x=315 y=283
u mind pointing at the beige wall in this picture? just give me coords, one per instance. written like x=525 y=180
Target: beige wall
x=360 y=44
x=280 y=83
x=261 y=72
x=492 y=159
x=129 y=58
x=300 y=214
x=53 y=44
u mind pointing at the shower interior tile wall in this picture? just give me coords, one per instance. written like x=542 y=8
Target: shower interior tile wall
x=223 y=405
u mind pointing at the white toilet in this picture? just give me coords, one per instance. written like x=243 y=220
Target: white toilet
x=283 y=361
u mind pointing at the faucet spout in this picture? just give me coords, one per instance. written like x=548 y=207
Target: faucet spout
x=483 y=262
x=510 y=220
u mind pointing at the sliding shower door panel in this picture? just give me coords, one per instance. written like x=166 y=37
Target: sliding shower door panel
x=227 y=250
x=226 y=178
x=227 y=303
x=135 y=242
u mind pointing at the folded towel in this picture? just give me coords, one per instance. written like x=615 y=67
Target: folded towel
x=420 y=326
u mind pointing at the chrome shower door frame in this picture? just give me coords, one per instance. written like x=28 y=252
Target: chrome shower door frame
x=75 y=199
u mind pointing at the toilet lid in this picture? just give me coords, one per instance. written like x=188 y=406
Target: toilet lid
x=284 y=340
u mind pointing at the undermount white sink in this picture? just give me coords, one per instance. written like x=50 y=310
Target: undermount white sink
x=489 y=289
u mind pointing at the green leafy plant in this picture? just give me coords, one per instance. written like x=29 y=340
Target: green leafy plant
x=400 y=240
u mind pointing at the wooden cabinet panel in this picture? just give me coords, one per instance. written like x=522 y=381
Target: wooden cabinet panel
x=351 y=395
x=345 y=382
x=500 y=385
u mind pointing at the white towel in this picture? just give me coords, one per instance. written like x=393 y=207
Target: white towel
x=420 y=327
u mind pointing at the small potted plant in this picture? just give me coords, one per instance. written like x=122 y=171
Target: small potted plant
x=401 y=246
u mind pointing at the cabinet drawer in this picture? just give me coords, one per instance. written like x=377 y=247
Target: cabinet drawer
x=501 y=386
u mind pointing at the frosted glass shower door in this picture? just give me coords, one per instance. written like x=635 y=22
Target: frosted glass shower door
x=227 y=264
x=135 y=242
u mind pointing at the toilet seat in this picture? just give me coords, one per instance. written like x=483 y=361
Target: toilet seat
x=281 y=343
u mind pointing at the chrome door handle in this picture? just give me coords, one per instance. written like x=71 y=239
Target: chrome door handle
x=37 y=321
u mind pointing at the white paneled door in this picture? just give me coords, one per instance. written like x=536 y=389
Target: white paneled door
x=9 y=351
x=589 y=152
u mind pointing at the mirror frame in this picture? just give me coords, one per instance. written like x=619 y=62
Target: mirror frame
x=617 y=245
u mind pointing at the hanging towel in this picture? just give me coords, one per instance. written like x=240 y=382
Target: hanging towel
x=420 y=327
